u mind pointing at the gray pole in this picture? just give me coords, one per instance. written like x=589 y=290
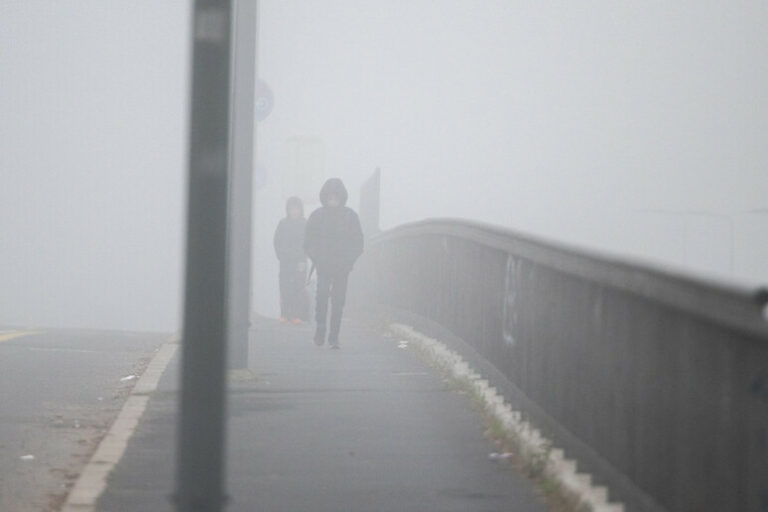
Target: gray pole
x=244 y=73
x=200 y=442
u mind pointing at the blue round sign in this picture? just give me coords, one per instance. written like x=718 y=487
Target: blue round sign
x=263 y=100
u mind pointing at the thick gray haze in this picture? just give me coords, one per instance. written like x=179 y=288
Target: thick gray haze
x=635 y=128
x=631 y=127
x=92 y=141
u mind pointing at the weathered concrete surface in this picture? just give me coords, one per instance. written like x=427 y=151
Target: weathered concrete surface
x=364 y=428
x=59 y=392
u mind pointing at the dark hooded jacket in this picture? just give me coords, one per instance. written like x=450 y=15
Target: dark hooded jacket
x=289 y=235
x=334 y=238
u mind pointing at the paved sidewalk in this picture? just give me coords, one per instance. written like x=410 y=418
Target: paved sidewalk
x=364 y=428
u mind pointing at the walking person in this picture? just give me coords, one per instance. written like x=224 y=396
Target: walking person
x=289 y=247
x=333 y=241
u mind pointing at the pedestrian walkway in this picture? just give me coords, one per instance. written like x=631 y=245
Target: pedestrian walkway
x=364 y=428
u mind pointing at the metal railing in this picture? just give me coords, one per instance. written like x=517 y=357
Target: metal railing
x=656 y=382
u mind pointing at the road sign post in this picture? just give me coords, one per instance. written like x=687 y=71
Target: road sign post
x=245 y=108
x=201 y=432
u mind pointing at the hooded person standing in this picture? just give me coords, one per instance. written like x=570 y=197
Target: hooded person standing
x=289 y=247
x=333 y=241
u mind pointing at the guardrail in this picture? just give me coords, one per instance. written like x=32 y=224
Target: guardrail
x=656 y=382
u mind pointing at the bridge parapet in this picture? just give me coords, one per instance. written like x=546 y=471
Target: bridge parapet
x=655 y=381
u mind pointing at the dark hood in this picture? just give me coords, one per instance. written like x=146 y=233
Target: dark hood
x=294 y=202
x=333 y=187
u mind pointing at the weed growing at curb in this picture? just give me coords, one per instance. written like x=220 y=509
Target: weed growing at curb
x=532 y=463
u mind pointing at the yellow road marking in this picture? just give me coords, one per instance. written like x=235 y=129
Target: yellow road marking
x=5 y=336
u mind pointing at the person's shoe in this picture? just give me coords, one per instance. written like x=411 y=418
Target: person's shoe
x=319 y=340
x=334 y=346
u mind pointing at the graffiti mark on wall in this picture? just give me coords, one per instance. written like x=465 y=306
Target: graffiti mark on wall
x=511 y=289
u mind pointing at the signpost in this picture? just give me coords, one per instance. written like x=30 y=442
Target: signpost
x=200 y=459
x=218 y=275
x=249 y=103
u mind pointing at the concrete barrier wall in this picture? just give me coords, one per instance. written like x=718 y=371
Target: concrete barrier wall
x=657 y=383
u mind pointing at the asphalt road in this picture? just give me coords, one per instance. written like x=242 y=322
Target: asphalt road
x=60 y=390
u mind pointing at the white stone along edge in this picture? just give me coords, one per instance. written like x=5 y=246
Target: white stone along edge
x=531 y=443
x=93 y=480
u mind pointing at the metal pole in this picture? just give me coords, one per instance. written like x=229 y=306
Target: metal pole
x=200 y=459
x=244 y=74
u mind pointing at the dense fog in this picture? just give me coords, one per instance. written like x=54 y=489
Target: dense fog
x=632 y=128
x=92 y=148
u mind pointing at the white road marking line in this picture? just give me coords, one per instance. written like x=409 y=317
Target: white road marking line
x=93 y=479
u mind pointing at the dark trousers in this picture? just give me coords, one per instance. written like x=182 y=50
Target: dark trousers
x=293 y=296
x=331 y=285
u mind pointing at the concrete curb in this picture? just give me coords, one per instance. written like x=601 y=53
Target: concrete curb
x=529 y=439
x=93 y=479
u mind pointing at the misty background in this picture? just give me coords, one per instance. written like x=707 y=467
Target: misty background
x=634 y=128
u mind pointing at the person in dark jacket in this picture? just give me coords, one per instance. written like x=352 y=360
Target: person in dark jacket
x=289 y=247
x=333 y=241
